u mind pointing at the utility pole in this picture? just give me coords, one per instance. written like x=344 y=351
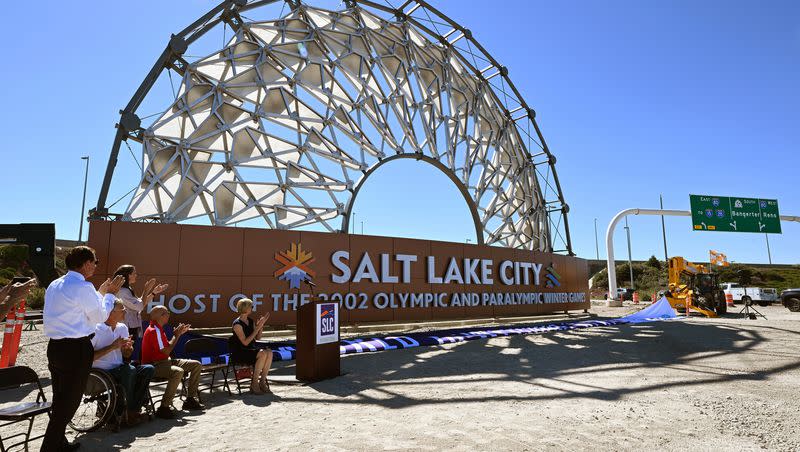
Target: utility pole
x=362 y=227
x=769 y=254
x=630 y=262
x=83 y=203
x=353 y=230
x=663 y=229
x=596 y=243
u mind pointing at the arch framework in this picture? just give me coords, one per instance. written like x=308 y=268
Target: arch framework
x=286 y=121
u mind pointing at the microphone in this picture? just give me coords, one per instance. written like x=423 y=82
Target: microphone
x=309 y=283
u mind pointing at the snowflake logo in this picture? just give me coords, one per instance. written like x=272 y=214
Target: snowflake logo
x=295 y=267
x=552 y=278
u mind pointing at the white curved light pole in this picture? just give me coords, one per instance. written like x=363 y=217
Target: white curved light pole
x=612 y=271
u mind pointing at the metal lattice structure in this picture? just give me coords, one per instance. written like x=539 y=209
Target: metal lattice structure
x=288 y=119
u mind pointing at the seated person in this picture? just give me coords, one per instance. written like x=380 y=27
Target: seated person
x=156 y=350
x=243 y=349
x=111 y=343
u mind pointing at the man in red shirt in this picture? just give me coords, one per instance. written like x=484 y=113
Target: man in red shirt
x=156 y=350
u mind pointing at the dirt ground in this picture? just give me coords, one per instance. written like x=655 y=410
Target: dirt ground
x=698 y=384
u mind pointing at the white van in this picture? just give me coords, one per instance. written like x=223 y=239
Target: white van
x=762 y=296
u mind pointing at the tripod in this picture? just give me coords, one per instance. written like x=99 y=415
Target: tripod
x=745 y=312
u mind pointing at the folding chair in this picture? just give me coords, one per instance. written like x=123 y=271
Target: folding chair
x=162 y=383
x=12 y=378
x=207 y=352
x=241 y=371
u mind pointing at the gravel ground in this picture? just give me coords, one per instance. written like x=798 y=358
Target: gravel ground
x=698 y=384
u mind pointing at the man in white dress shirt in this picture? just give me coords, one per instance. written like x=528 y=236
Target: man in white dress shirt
x=72 y=309
x=111 y=343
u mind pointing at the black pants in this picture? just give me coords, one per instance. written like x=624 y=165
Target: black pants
x=69 y=361
x=137 y=343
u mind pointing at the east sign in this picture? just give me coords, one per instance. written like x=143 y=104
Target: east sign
x=735 y=214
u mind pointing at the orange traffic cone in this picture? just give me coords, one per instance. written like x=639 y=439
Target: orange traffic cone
x=8 y=339
x=729 y=299
x=635 y=297
x=12 y=360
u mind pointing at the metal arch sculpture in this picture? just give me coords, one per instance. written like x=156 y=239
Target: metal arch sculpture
x=288 y=119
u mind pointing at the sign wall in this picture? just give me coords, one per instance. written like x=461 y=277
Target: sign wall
x=370 y=278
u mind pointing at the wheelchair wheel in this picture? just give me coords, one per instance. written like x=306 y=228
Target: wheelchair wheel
x=98 y=403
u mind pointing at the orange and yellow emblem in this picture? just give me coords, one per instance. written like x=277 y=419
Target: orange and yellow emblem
x=296 y=265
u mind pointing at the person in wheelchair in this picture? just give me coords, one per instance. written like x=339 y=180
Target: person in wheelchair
x=112 y=343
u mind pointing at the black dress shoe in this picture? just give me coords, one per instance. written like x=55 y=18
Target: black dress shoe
x=193 y=404
x=165 y=413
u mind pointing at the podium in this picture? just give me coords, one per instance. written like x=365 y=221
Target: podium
x=317 y=351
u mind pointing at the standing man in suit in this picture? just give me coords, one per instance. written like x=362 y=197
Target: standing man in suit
x=72 y=310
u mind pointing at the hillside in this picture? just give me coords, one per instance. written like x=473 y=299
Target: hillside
x=651 y=276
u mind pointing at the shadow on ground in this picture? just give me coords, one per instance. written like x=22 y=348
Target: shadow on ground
x=687 y=346
x=543 y=361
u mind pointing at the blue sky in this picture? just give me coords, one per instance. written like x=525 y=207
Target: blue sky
x=634 y=98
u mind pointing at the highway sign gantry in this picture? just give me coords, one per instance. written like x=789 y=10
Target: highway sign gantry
x=735 y=214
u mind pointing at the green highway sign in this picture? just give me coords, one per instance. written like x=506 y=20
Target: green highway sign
x=731 y=214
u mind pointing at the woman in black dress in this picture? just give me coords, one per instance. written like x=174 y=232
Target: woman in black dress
x=243 y=349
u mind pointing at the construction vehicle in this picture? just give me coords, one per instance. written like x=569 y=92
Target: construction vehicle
x=696 y=286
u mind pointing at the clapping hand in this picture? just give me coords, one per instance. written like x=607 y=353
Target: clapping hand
x=103 y=289
x=5 y=291
x=116 y=284
x=152 y=288
x=127 y=344
x=262 y=321
x=12 y=294
x=148 y=287
x=5 y=297
x=20 y=290
x=111 y=286
x=181 y=329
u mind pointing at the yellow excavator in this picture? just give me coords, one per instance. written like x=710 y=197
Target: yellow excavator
x=695 y=285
